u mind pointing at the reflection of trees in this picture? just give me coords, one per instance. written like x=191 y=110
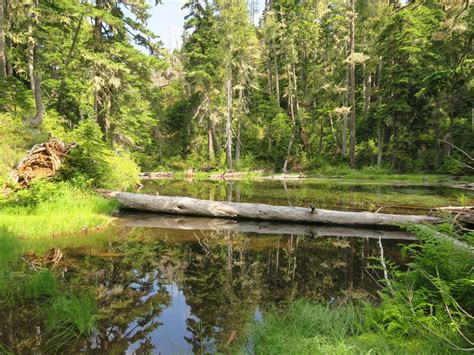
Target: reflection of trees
x=224 y=277
x=220 y=285
x=130 y=295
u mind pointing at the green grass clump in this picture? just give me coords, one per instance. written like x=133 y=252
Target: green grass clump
x=40 y=285
x=70 y=316
x=305 y=328
x=48 y=209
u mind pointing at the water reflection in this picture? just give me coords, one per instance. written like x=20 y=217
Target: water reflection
x=167 y=291
x=188 y=292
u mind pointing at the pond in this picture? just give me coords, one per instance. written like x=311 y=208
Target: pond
x=191 y=285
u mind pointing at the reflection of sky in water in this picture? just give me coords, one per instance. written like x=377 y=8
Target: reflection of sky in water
x=169 y=337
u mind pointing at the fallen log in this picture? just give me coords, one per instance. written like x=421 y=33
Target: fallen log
x=146 y=220
x=43 y=160
x=156 y=175
x=254 y=211
x=285 y=177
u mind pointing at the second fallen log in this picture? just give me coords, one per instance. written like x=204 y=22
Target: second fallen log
x=256 y=211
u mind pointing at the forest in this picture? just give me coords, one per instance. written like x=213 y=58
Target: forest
x=346 y=105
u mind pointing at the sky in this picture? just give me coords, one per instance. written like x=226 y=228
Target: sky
x=167 y=21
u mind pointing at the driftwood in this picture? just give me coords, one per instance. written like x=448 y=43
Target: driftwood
x=467 y=186
x=146 y=220
x=155 y=175
x=43 y=160
x=252 y=211
x=286 y=177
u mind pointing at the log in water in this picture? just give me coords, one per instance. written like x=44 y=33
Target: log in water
x=147 y=220
x=256 y=211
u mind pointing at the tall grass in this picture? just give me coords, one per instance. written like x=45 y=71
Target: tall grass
x=49 y=209
x=304 y=328
x=69 y=317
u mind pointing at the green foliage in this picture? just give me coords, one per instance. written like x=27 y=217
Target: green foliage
x=94 y=162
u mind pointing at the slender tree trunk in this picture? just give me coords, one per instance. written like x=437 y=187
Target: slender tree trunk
x=379 y=143
x=345 y=100
x=3 y=65
x=210 y=143
x=277 y=82
x=217 y=148
x=228 y=127
x=380 y=124
x=367 y=93
x=351 y=64
x=35 y=80
x=291 y=105
x=8 y=42
x=321 y=134
x=100 y=98
x=237 y=144
x=269 y=78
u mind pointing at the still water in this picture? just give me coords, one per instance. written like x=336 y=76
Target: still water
x=168 y=285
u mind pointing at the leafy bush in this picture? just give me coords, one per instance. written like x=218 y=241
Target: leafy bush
x=94 y=162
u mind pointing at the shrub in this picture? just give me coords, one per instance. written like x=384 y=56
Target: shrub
x=94 y=162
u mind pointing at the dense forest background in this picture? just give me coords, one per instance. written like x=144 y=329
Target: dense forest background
x=347 y=83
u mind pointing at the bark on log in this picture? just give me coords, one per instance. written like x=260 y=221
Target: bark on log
x=144 y=220
x=253 y=211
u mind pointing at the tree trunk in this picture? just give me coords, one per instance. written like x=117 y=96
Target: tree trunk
x=277 y=82
x=100 y=98
x=210 y=143
x=380 y=123
x=3 y=64
x=379 y=143
x=367 y=93
x=351 y=64
x=255 y=211
x=237 y=145
x=228 y=127
x=35 y=80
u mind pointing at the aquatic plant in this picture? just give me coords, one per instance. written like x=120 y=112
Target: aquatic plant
x=69 y=317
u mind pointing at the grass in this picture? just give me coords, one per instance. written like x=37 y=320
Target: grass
x=70 y=316
x=313 y=328
x=304 y=328
x=54 y=209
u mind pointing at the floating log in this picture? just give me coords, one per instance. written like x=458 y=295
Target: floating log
x=146 y=220
x=254 y=211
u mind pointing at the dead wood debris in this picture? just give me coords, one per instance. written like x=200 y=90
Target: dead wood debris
x=43 y=160
x=53 y=258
